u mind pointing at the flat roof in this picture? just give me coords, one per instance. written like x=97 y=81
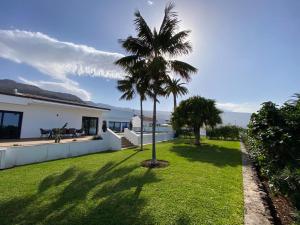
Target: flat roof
x=23 y=95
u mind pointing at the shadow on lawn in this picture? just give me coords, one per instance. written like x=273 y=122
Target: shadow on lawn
x=110 y=195
x=208 y=153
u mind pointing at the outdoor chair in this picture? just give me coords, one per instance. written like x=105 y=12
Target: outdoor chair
x=79 y=132
x=45 y=133
x=72 y=132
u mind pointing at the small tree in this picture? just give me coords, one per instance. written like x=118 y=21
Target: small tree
x=134 y=83
x=196 y=112
x=175 y=87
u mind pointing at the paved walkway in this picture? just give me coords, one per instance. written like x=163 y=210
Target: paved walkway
x=255 y=212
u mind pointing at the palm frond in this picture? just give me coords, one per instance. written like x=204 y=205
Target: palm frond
x=183 y=69
x=136 y=46
x=127 y=61
x=142 y=28
x=174 y=87
x=170 y=21
x=177 y=45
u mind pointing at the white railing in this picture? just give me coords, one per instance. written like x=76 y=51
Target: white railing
x=114 y=140
x=135 y=138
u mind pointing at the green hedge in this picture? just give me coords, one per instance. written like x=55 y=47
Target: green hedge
x=228 y=132
x=273 y=140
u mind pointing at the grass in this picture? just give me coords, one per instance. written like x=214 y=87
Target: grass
x=202 y=185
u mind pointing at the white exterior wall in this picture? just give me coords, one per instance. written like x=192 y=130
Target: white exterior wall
x=135 y=138
x=47 y=115
x=16 y=156
x=136 y=122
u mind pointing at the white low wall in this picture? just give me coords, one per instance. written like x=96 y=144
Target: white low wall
x=135 y=138
x=15 y=156
x=158 y=129
x=114 y=141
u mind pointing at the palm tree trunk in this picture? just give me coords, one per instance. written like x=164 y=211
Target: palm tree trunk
x=175 y=103
x=176 y=133
x=154 y=131
x=197 y=135
x=142 y=124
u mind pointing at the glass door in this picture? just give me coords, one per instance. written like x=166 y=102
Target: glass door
x=10 y=124
x=90 y=125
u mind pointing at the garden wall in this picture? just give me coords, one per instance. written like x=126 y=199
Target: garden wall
x=22 y=155
x=135 y=138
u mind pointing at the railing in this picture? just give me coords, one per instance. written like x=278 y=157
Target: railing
x=135 y=138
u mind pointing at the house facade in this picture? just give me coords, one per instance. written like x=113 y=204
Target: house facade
x=161 y=125
x=118 y=119
x=23 y=115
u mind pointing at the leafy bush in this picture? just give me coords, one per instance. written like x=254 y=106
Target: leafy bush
x=228 y=132
x=273 y=141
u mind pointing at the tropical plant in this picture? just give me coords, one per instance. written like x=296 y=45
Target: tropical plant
x=273 y=143
x=175 y=87
x=227 y=132
x=196 y=112
x=134 y=83
x=159 y=48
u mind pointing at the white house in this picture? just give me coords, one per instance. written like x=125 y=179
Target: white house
x=147 y=124
x=22 y=115
x=118 y=118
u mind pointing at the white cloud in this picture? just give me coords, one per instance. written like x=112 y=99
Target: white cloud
x=59 y=60
x=66 y=86
x=150 y=2
x=56 y=58
x=242 y=107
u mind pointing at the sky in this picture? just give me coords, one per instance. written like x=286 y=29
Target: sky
x=246 y=51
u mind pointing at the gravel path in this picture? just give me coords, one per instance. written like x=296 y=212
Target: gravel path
x=255 y=212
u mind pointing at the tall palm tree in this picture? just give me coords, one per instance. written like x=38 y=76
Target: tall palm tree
x=134 y=84
x=159 y=48
x=175 y=87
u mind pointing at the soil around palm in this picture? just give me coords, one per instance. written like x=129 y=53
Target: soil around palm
x=157 y=164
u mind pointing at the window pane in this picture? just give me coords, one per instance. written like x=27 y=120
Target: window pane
x=10 y=125
x=111 y=125
x=118 y=126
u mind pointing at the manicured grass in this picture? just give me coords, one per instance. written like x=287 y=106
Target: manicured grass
x=202 y=185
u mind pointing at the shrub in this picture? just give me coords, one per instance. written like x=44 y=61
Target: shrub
x=273 y=141
x=228 y=132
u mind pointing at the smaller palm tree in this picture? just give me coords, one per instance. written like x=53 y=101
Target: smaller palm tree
x=175 y=87
x=134 y=83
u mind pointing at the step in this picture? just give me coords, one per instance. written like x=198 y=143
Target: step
x=126 y=143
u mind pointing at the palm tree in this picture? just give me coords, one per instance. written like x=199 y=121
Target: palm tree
x=134 y=83
x=176 y=88
x=196 y=112
x=159 y=48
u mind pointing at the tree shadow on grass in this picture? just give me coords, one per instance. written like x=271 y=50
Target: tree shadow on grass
x=209 y=153
x=110 y=195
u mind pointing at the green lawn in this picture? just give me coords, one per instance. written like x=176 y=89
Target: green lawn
x=202 y=185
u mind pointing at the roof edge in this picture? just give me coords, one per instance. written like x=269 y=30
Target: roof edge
x=55 y=101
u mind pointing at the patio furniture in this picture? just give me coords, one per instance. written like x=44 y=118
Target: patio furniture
x=79 y=132
x=46 y=133
x=71 y=132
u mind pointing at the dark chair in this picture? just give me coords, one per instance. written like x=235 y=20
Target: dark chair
x=79 y=132
x=72 y=132
x=45 y=132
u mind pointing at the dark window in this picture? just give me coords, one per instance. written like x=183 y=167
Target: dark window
x=116 y=126
x=90 y=125
x=125 y=125
x=10 y=124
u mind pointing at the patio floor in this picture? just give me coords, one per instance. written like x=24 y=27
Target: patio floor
x=38 y=141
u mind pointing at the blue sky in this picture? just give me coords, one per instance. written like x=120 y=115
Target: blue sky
x=246 y=51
